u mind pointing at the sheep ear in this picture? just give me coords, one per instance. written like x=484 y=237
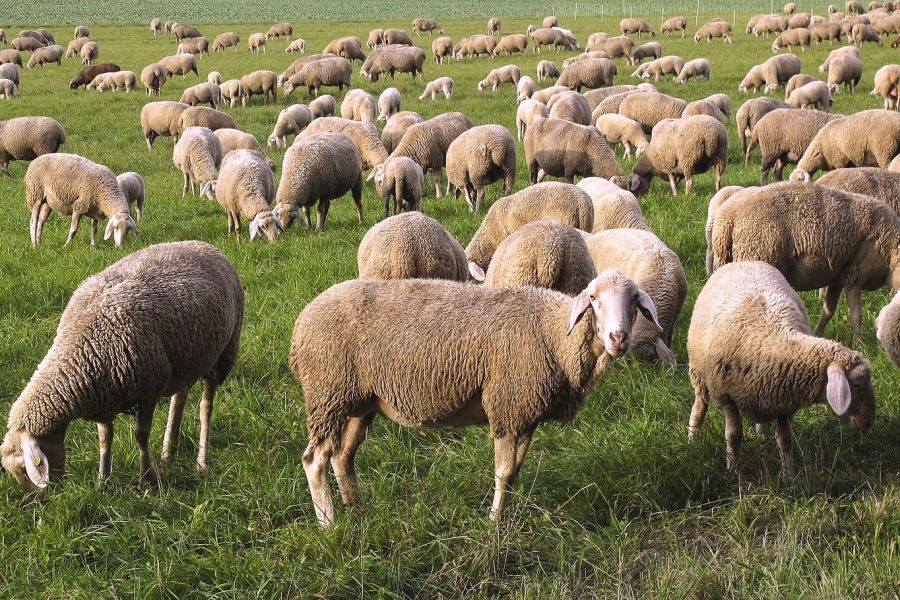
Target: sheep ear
x=634 y=183
x=110 y=225
x=37 y=467
x=371 y=174
x=476 y=271
x=254 y=228
x=579 y=306
x=837 y=391
x=648 y=309
x=665 y=353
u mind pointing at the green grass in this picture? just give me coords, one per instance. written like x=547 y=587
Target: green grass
x=615 y=504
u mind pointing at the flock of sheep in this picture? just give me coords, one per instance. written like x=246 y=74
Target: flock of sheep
x=572 y=274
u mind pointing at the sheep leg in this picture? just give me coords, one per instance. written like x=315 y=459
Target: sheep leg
x=306 y=214
x=508 y=181
x=734 y=433
x=832 y=295
x=854 y=304
x=507 y=450
x=142 y=427
x=673 y=183
x=206 y=408
x=779 y=169
x=315 y=461
x=701 y=404
x=173 y=425
x=105 y=437
x=94 y=224
x=42 y=218
x=479 y=199
x=357 y=200
x=342 y=463
x=6 y=165
x=185 y=186
x=436 y=177
x=33 y=224
x=540 y=175
x=720 y=169
x=322 y=213
x=783 y=437
x=76 y=217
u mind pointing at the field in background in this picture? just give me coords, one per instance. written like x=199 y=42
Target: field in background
x=615 y=504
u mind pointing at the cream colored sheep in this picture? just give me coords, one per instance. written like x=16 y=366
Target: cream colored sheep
x=507 y=74
x=673 y=25
x=427 y=143
x=202 y=93
x=401 y=178
x=229 y=39
x=783 y=136
x=297 y=45
x=546 y=70
x=45 y=55
x=527 y=112
x=478 y=157
x=323 y=106
x=617 y=129
x=245 y=188
x=410 y=246
x=570 y=106
x=132 y=185
x=26 y=138
x=749 y=114
x=812 y=95
x=388 y=103
x=396 y=126
x=649 y=108
x=441 y=85
x=358 y=105
x=590 y=73
x=698 y=67
x=8 y=89
x=510 y=44
x=233 y=91
x=887 y=328
x=257 y=42
x=291 y=121
x=563 y=149
x=153 y=76
x=197 y=155
x=887 y=85
x=215 y=77
x=161 y=118
x=614 y=207
x=330 y=72
x=89 y=53
x=180 y=64
x=525 y=88
x=714 y=29
x=262 y=82
x=363 y=134
x=847 y=70
x=792 y=37
x=202 y=116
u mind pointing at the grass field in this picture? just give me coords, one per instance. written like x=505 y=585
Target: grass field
x=616 y=504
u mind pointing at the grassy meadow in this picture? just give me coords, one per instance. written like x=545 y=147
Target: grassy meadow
x=615 y=504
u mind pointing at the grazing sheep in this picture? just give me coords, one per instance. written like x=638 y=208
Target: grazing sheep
x=812 y=95
x=363 y=134
x=26 y=44
x=89 y=53
x=527 y=112
x=792 y=37
x=493 y=27
x=852 y=50
x=570 y=106
x=525 y=88
x=782 y=221
x=391 y=59
x=82 y=31
x=551 y=38
x=297 y=45
x=750 y=350
x=441 y=85
x=649 y=108
x=132 y=185
x=197 y=154
x=298 y=64
x=507 y=74
x=202 y=116
x=439 y=316
x=714 y=29
x=826 y=31
x=98 y=80
x=749 y=114
x=26 y=138
x=561 y=202
x=718 y=199
x=595 y=97
x=546 y=70
x=100 y=366
x=396 y=126
x=277 y=30
x=262 y=82
x=182 y=32
x=649 y=50
x=118 y=80
x=72 y=185
x=699 y=67
x=397 y=36
x=862 y=33
x=427 y=143
x=637 y=26
x=429 y=25
x=235 y=139
x=887 y=328
x=358 y=105
x=783 y=135
x=74 y=47
x=441 y=48
x=245 y=188
x=318 y=168
x=667 y=65
x=331 y=72
x=614 y=207
x=10 y=56
x=798 y=80
x=410 y=246
x=257 y=42
x=799 y=21
x=161 y=119
x=402 y=178
x=591 y=73
x=229 y=39
x=477 y=158
x=887 y=85
x=510 y=44
x=681 y=148
x=215 y=77
x=47 y=54
x=869 y=181
x=563 y=149
x=584 y=56
x=180 y=64
x=346 y=47
x=790 y=8
x=155 y=25
x=674 y=24
x=770 y=24
x=233 y=91
x=9 y=71
x=617 y=46
x=8 y=89
x=291 y=121
x=847 y=70
x=617 y=129
x=202 y=93
x=773 y=73
x=543 y=96
x=375 y=39
x=550 y=21
x=199 y=46
x=388 y=103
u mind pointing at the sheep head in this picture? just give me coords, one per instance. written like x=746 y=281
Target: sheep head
x=31 y=460
x=850 y=394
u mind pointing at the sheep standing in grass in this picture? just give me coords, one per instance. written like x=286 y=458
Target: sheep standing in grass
x=674 y=25
x=132 y=185
x=649 y=108
x=263 y=83
x=203 y=116
x=198 y=46
x=507 y=74
x=153 y=76
x=148 y=326
x=410 y=246
x=441 y=48
x=749 y=114
x=358 y=105
x=297 y=45
x=714 y=29
x=180 y=64
x=478 y=157
x=772 y=74
x=245 y=188
x=525 y=88
x=887 y=85
x=291 y=121
x=72 y=185
x=441 y=85
x=235 y=139
x=363 y=134
x=229 y=39
x=570 y=106
x=563 y=149
x=257 y=42
x=783 y=136
x=375 y=38
x=389 y=103
x=323 y=106
x=699 y=67
x=396 y=126
x=197 y=155
x=751 y=352
x=590 y=73
x=401 y=178
x=11 y=56
x=162 y=118
x=546 y=70
x=845 y=69
x=327 y=72
x=868 y=181
x=427 y=143
x=45 y=55
x=617 y=129
x=493 y=27
x=89 y=53
x=792 y=37
x=26 y=138
x=887 y=328
x=8 y=89
x=526 y=370
x=528 y=112
x=233 y=91
x=202 y=93
x=812 y=95
x=667 y=65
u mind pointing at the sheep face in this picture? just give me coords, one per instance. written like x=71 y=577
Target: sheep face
x=850 y=394
x=32 y=460
x=286 y=214
x=267 y=225
x=118 y=228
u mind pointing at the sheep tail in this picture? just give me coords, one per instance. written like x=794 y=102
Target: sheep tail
x=722 y=240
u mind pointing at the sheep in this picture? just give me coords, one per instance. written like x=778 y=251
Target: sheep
x=262 y=82
x=26 y=138
x=714 y=29
x=749 y=114
x=744 y=320
x=229 y=39
x=155 y=25
x=847 y=70
x=783 y=135
x=798 y=80
x=672 y=25
x=887 y=327
x=637 y=26
x=862 y=33
x=649 y=108
x=132 y=185
x=358 y=105
x=617 y=46
x=543 y=96
x=256 y=42
x=570 y=106
x=364 y=136
x=98 y=80
x=590 y=73
x=682 y=148
x=26 y=44
x=551 y=38
x=790 y=8
x=3 y=39
x=180 y=64
x=595 y=97
x=614 y=207
x=202 y=93
x=698 y=67
x=298 y=64
x=391 y=60
x=563 y=149
x=396 y=126
x=527 y=112
x=887 y=85
x=546 y=70
x=854 y=8
x=869 y=181
x=233 y=91
x=235 y=139
x=277 y=30
x=478 y=157
x=89 y=53
x=10 y=56
x=852 y=50
x=118 y=80
x=297 y=45
x=410 y=246
x=799 y=21
x=718 y=199
x=182 y=32
x=507 y=74
x=75 y=46
x=402 y=178
x=839 y=143
x=199 y=46
x=525 y=88
x=429 y=25
x=802 y=219
x=375 y=39
x=427 y=143
x=332 y=72
x=215 y=77
x=792 y=37
x=441 y=48
x=161 y=118
x=245 y=188
x=82 y=31
x=510 y=44
x=550 y=200
x=643 y=257
x=617 y=129
x=346 y=47
x=318 y=168
x=197 y=154
x=291 y=121
x=774 y=73
x=168 y=25
x=202 y=116
x=47 y=54
x=812 y=95
x=550 y=21
x=9 y=71
x=72 y=185
x=826 y=31
x=493 y=27
x=163 y=346
x=667 y=65
x=441 y=85
x=584 y=56
x=397 y=36
x=539 y=319
x=648 y=50
x=8 y=89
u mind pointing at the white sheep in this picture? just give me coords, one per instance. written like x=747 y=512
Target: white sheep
x=132 y=185
x=441 y=85
x=291 y=121
x=245 y=188
x=887 y=328
x=197 y=155
x=617 y=129
x=402 y=178
x=388 y=103
x=527 y=112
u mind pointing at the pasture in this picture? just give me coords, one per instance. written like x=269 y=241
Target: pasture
x=615 y=504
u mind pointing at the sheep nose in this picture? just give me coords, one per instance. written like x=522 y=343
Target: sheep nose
x=618 y=338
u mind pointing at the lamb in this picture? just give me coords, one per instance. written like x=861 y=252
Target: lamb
x=714 y=29
x=402 y=178
x=202 y=93
x=161 y=119
x=277 y=30
x=790 y=8
x=358 y=105
x=538 y=318
x=245 y=188
x=614 y=207
x=10 y=56
x=72 y=185
x=774 y=73
x=130 y=363
x=561 y=202
x=332 y=72
x=674 y=24
x=798 y=80
x=862 y=33
x=98 y=81
x=510 y=44
x=410 y=246
x=649 y=108
x=649 y=50
x=87 y=74
x=826 y=31
x=847 y=70
x=234 y=90
x=591 y=73
x=132 y=185
x=26 y=138
x=617 y=129
x=550 y=21
x=197 y=154
x=546 y=70
x=349 y=47
x=427 y=143
x=74 y=47
x=397 y=36
x=396 y=126
x=749 y=114
x=318 y=168
x=802 y=219
x=887 y=327
x=364 y=136
x=180 y=64
x=839 y=143
x=869 y=181
x=441 y=48
x=47 y=54
x=792 y=37
x=551 y=38
x=783 y=135
x=525 y=88
x=887 y=85
x=643 y=257
x=852 y=50
x=262 y=82
x=229 y=39
x=9 y=71
x=201 y=116
x=441 y=85
x=297 y=45
x=375 y=39
x=699 y=67
x=570 y=106
x=8 y=89
x=478 y=157
x=493 y=26
x=667 y=65
x=637 y=26
x=682 y=148
x=256 y=42
x=291 y=121
x=215 y=77
x=527 y=112
x=563 y=149
x=199 y=46
x=812 y=95
x=391 y=60
x=507 y=74
x=744 y=320
x=118 y=80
